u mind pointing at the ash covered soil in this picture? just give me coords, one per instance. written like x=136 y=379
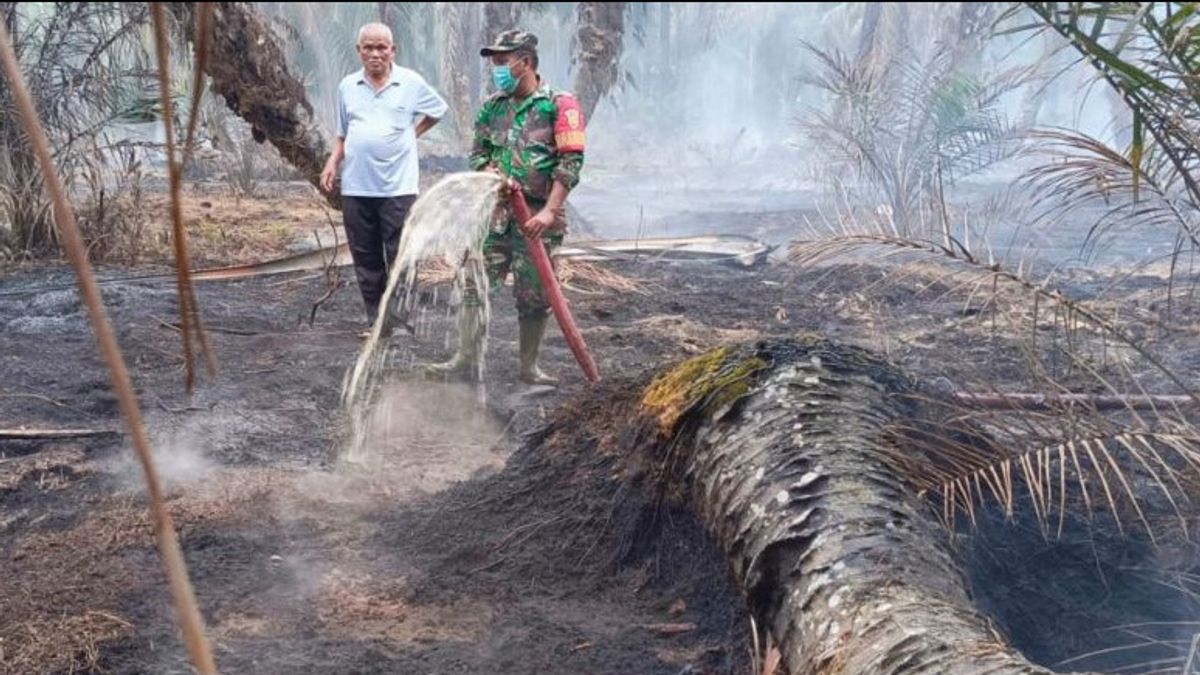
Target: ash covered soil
x=453 y=551
x=303 y=564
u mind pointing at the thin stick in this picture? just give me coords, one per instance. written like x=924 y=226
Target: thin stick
x=184 y=599
x=177 y=233
x=188 y=313
x=203 y=21
x=39 y=434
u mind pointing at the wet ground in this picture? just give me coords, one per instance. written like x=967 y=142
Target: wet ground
x=301 y=563
x=443 y=554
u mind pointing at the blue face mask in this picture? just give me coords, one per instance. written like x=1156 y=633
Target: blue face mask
x=503 y=78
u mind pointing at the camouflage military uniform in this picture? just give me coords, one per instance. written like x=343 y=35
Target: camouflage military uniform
x=538 y=141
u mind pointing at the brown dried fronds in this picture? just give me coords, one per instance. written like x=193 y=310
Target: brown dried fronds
x=50 y=469
x=1066 y=310
x=578 y=275
x=68 y=643
x=1122 y=473
x=589 y=277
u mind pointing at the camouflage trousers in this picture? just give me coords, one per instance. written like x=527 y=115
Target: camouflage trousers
x=507 y=251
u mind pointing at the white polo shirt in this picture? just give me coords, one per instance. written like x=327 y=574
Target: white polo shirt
x=380 y=132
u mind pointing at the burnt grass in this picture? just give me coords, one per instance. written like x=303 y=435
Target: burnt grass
x=552 y=564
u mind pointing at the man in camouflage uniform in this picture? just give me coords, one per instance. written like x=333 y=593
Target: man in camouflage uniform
x=534 y=134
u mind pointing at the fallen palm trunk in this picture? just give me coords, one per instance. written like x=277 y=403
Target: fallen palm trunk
x=782 y=450
x=249 y=69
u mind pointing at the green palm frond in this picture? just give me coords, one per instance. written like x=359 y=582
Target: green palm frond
x=911 y=126
x=1083 y=171
x=1150 y=54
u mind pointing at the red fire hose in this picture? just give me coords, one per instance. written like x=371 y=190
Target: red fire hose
x=554 y=294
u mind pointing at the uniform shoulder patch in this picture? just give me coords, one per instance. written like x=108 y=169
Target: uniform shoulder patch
x=569 y=126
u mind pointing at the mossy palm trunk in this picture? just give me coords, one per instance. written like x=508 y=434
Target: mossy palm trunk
x=845 y=567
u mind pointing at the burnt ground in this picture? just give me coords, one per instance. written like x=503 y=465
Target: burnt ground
x=447 y=553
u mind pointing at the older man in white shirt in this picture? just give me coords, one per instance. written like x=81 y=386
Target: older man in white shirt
x=382 y=110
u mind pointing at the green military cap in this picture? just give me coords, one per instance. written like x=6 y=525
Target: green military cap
x=511 y=41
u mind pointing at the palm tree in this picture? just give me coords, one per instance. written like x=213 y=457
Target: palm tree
x=501 y=16
x=600 y=38
x=1148 y=53
x=909 y=125
x=84 y=63
x=258 y=85
x=458 y=24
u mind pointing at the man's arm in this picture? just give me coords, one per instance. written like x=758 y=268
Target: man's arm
x=426 y=124
x=569 y=139
x=430 y=105
x=564 y=181
x=558 y=197
x=331 y=165
x=339 y=146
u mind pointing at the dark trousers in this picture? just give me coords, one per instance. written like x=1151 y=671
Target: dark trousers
x=373 y=226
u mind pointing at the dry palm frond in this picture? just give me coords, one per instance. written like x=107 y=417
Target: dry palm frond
x=584 y=276
x=1104 y=472
x=1079 y=453
x=824 y=250
x=1083 y=170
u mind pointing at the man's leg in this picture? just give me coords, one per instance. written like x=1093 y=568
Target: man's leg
x=392 y=213
x=361 y=218
x=497 y=258
x=533 y=307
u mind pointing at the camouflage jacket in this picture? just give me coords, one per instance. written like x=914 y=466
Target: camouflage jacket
x=536 y=142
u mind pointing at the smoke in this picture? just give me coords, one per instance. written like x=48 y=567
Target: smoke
x=708 y=111
x=181 y=451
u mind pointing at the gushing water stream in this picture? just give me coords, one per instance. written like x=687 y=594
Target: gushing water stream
x=448 y=222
